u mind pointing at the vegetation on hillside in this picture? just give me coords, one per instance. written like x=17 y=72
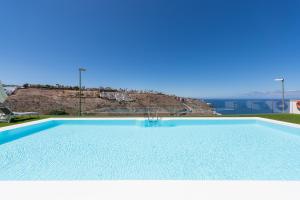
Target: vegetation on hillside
x=101 y=89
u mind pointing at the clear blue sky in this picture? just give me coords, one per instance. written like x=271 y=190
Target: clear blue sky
x=214 y=48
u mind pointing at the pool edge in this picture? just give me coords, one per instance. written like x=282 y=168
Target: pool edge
x=143 y=118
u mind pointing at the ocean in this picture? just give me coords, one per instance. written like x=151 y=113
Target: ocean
x=248 y=106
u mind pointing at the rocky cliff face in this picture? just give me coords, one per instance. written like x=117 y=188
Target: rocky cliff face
x=60 y=101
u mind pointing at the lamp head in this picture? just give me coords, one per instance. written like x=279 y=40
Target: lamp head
x=82 y=69
x=279 y=79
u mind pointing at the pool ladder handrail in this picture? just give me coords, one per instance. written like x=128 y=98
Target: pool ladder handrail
x=154 y=118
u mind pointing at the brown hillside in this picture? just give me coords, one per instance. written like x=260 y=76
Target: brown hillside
x=49 y=101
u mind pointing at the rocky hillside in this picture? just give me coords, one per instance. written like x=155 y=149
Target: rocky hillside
x=94 y=102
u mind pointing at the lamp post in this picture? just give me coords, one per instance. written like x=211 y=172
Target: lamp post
x=80 y=70
x=282 y=85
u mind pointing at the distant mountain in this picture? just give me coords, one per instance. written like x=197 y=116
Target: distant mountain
x=10 y=85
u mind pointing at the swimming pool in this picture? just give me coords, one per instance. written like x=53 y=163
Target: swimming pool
x=172 y=149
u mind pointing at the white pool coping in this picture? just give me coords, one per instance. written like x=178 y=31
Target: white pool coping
x=143 y=118
x=158 y=189
x=150 y=190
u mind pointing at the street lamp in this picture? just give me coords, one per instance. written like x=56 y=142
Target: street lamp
x=282 y=84
x=80 y=70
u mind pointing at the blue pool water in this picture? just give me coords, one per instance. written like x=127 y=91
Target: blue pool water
x=137 y=149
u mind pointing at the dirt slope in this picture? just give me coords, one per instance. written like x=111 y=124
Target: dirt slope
x=50 y=101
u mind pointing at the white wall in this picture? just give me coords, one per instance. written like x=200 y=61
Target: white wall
x=293 y=107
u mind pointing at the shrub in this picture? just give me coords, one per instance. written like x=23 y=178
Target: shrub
x=26 y=85
x=58 y=112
